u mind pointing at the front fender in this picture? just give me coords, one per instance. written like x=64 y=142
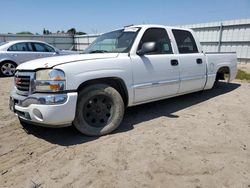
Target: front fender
x=83 y=71
x=102 y=74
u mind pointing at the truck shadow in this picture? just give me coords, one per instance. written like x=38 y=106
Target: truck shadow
x=70 y=136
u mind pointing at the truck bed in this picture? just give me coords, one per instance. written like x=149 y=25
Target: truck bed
x=217 y=60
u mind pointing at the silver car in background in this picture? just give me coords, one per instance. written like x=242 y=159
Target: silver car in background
x=13 y=53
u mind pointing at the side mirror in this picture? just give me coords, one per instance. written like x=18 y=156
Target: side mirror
x=57 y=51
x=147 y=47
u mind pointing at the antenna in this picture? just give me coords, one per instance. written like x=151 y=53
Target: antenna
x=128 y=25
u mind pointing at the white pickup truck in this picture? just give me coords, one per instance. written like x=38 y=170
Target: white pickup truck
x=126 y=67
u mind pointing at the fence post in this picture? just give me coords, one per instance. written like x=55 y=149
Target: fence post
x=220 y=37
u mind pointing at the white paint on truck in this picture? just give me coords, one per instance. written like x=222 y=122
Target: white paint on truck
x=160 y=62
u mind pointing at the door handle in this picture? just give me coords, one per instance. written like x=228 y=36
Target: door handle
x=199 y=61
x=174 y=62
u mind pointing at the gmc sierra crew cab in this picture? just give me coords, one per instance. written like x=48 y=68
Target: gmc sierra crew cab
x=122 y=68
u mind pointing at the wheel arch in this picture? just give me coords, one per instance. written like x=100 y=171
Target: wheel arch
x=8 y=60
x=220 y=74
x=114 y=82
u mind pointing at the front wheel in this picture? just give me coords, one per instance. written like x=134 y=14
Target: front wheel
x=7 y=69
x=99 y=111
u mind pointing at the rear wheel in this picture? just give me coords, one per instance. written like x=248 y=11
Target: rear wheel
x=99 y=111
x=7 y=69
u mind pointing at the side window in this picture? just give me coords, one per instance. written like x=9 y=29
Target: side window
x=185 y=41
x=20 y=47
x=49 y=48
x=40 y=47
x=160 y=36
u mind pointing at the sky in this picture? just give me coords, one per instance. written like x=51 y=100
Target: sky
x=97 y=16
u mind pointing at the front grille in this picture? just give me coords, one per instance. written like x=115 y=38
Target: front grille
x=23 y=82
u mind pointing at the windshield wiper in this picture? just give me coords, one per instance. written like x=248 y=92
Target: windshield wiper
x=98 y=51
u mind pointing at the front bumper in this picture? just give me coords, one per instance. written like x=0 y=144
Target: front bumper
x=50 y=110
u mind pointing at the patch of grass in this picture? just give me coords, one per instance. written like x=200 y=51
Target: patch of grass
x=242 y=75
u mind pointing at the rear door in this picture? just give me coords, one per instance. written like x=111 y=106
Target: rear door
x=156 y=74
x=192 y=63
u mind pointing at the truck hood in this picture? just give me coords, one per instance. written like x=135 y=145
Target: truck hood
x=53 y=61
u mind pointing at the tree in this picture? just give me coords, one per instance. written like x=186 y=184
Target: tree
x=24 y=33
x=80 y=33
x=71 y=31
x=46 y=32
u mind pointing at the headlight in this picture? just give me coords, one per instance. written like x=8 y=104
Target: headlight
x=50 y=80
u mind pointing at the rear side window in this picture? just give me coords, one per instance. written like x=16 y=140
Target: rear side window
x=21 y=47
x=185 y=41
x=160 y=36
x=40 y=47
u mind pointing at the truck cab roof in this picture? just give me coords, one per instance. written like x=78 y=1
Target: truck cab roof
x=145 y=26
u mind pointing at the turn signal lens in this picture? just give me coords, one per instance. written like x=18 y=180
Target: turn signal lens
x=55 y=87
x=58 y=77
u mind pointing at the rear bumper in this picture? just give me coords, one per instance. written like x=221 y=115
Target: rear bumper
x=50 y=110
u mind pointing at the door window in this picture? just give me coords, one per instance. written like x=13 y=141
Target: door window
x=185 y=41
x=49 y=48
x=40 y=47
x=160 y=37
x=20 y=47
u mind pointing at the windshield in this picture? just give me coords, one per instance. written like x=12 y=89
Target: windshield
x=116 y=41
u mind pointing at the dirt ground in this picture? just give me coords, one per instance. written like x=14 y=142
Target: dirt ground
x=245 y=67
x=196 y=140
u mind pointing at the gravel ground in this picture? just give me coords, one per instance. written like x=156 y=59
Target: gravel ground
x=196 y=140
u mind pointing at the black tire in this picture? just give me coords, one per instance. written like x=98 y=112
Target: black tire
x=99 y=111
x=215 y=84
x=7 y=69
x=219 y=76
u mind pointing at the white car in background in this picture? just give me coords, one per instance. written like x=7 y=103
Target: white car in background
x=13 y=53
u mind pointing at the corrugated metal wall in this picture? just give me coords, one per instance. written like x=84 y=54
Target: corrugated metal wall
x=225 y=36
x=61 y=42
x=83 y=41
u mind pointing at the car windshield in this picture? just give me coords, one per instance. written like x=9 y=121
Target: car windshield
x=116 y=41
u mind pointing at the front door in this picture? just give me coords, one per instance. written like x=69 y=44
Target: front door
x=156 y=74
x=42 y=50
